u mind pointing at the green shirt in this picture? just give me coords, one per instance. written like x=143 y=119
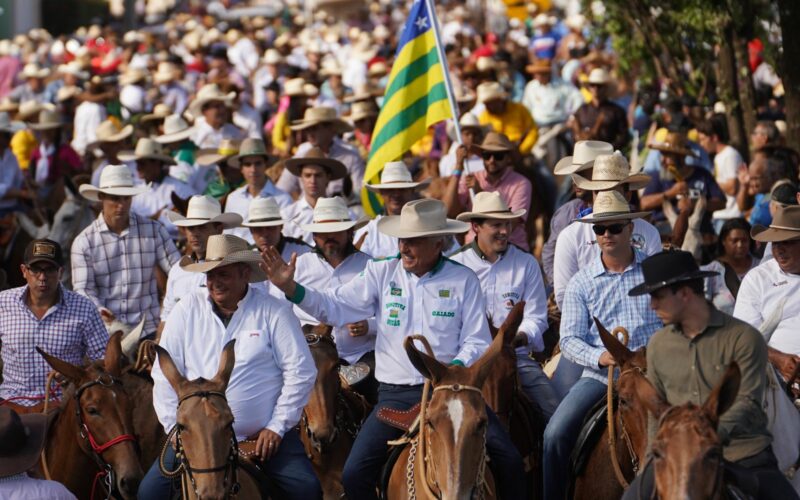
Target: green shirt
x=684 y=370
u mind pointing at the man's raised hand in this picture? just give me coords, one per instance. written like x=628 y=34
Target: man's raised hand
x=279 y=272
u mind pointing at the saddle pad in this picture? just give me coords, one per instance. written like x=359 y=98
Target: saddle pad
x=592 y=429
x=399 y=419
x=386 y=471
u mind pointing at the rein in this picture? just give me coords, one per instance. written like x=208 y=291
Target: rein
x=611 y=419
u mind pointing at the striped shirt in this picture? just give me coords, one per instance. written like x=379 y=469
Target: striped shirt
x=117 y=271
x=70 y=330
x=597 y=292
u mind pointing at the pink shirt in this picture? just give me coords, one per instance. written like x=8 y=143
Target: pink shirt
x=516 y=191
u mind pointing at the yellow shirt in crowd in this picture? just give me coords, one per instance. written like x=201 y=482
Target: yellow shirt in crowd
x=22 y=145
x=516 y=123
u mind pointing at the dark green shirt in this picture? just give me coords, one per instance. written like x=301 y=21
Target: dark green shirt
x=684 y=370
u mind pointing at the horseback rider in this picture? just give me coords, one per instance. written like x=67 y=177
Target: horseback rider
x=273 y=375
x=597 y=290
x=509 y=275
x=265 y=224
x=686 y=359
x=417 y=291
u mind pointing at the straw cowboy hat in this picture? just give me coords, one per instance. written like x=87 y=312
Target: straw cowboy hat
x=296 y=87
x=495 y=142
x=543 y=20
x=378 y=69
x=32 y=70
x=209 y=92
x=364 y=92
x=395 y=175
x=176 y=129
x=73 y=68
x=48 y=120
x=110 y=131
x=133 y=75
x=419 y=219
x=582 y=153
x=610 y=206
x=68 y=92
x=165 y=73
x=115 y=180
x=204 y=209
x=785 y=226
x=8 y=126
x=264 y=212
x=272 y=56
x=8 y=106
x=674 y=142
x=608 y=172
x=315 y=156
x=227 y=148
x=146 y=149
x=31 y=108
x=224 y=250
x=320 y=115
x=599 y=76
x=667 y=268
x=490 y=205
x=330 y=67
x=160 y=111
x=250 y=147
x=361 y=110
x=21 y=440
x=331 y=216
x=468 y=120
x=491 y=91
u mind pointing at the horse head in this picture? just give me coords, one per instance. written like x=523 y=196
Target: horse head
x=102 y=411
x=204 y=432
x=320 y=412
x=687 y=451
x=501 y=385
x=129 y=334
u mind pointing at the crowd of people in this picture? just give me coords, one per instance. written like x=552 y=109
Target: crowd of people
x=202 y=179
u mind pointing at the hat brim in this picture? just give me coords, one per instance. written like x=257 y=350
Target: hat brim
x=480 y=148
x=123 y=134
x=360 y=116
x=228 y=220
x=151 y=118
x=265 y=223
x=249 y=257
x=468 y=216
x=91 y=192
x=336 y=169
x=619 y=216
x=236 y=160
x=174 y=137
x=196 y=107
x=375 y=188
x=566 y=167
x=769 y=234
x=132 y=156
x=335 y=227
x=340 y=126
x=210 y=157
x=391 y=225
x=45 y=126
x=645 y=288
x=27 y=457
x=636 y=182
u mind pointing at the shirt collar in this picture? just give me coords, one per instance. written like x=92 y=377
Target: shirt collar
x=598 y=268
x=104 y=227
x=502 y=178
x=474 y=245
x=62 y=297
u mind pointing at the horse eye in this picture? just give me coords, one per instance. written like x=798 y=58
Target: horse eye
x=91 y=410
x=657 y=454
x=623 y=402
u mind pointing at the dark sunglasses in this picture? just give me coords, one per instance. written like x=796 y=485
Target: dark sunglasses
x=498 y=155
x=611 y=228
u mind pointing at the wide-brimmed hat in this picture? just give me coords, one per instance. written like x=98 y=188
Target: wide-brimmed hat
x=264 y=212
x=674 y=142
x=319 y=115
x=315 y=156
x=8 y=126
x=21 y=440
x=31 y=108
x=540 y=66
x=364 y=92
x=489 y=91
x=115 y=180
x=209 y=92
x=599 y=76
x=785 y=226
x=250 y=147
x=611 y=206
x=224 y=250
x=110 y=131
x=32 y=70
x=68 y=92
x=48 y=120
x=296 y=87
x=227 y=148
x=608 y=172
x=176 y=129
x=75 y=69
x=166 y=72
x=395 y=175
x=667 y=268
x=331 y=216
x=204 y=209
x=490 y=205
x=495 y=142
x=330 y=67
x=272 y=56
x=146 y=149
x=582 y=153
x=543 y=20
x=468 y=120
x=361 y=110
x=133 y=75
x=160 y=112
x=420 y=219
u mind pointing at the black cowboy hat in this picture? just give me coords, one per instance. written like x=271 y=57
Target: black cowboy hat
x=21 y=440
x=666 y=268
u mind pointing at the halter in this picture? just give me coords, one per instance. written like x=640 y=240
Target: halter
x=230 y=465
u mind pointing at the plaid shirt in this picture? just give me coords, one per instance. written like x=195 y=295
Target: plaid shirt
x=117 y=271
x=70 y=330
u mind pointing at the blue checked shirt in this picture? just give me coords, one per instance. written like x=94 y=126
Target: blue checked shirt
x=594 y=291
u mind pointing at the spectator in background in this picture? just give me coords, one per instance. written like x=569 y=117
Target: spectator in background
x=755 y=184
x=735 y=258
x=765 y=133
x=713 y=137
x=545 y=42
x=601 y=119
x=506 y=117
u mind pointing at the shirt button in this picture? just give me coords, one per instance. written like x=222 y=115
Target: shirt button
x=695 y=393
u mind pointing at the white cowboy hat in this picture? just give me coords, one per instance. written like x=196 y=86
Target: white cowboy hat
x=608 y=172
x=468 y=120
x=364 y=92
x=204 y=209
x=115 y=180
x=330 y=67
x=166 y=72
x=331 y=216
x=73 y=68
x=8 y=126
x=419 y=219
x=68 y=92
x=110 y=131
x=320 y=115
x=160 y=111
x=146 y=149
x=133 y=75
x=362 y=109
x=8 y=105
x=295 y=87
x=582 y=153
x=209 y=92
x=315 y=156
x=31 y=108
x=48 y=120
x=542 y=20
x=489 y=91
x=223 y=250
x=272 y=56
x=32 y=70
x=250 y=147
x=395 y=175
x=227 y=148
x=611 y=206
x=176 y=129
x=599 y=76
x=263 y=212
x=490 y=205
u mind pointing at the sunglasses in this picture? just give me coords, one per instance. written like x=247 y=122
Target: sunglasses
x=497 y=155
x=611 y=228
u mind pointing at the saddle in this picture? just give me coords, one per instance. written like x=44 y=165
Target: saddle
x=252 y=465
x=591 y=431
x=405 y=420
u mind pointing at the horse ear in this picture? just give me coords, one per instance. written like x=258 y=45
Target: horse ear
x=428 y=366
x=724 y=394
x=181 y=205
x=72 y=372
x=510 y=326
x=617 y=349
x=168 y=368
x=486 y=362
x=650 y=398
x=226 y=362
x=114 y=354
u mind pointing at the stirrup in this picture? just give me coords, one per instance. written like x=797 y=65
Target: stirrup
x=353 y=374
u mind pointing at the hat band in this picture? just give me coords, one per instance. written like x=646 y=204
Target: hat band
x=610 y=214
x=227 y=151
x=507 y=211
x=331 y=221
x=265 y=219
x=117 y=186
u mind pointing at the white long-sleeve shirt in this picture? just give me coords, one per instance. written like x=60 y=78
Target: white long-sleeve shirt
x=239 y=201
x=301 y=212
x=273 y=374
x=88 y=116
x=760 y=293
x=446 y=305
x=158 y=200
x=315 y=272
x=513 y=277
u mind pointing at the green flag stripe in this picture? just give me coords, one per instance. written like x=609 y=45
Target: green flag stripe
x=411 y=72
x=409 y=115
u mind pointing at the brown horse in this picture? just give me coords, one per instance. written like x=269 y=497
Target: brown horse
x=447 y=458
x=204 y=437
x=687 y=452
x=333 y=416
x=92 y=436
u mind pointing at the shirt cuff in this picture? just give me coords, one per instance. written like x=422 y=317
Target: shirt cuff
x=594 y=357
x=276 y=428
x=535 y=342
x=299 y=294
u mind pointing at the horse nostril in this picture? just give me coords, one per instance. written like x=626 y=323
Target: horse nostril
x=129 y=485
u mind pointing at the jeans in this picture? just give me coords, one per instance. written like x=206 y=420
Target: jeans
x=537 y=386
x=370 y=451
x=561 y=434
x=566 y=375
x=289 y=471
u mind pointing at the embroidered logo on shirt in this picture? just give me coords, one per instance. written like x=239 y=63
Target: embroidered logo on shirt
x=255 y=334
x=444 y=293
x=637 y=241
x=393 y=317
x=443 y=314
x=397 y=292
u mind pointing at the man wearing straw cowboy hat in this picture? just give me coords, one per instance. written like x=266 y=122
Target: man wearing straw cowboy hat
x=509 y=275
x=333 y=262
x=599 y=290
x=417 y=291
x=266 y=224
x=110 y=139
x=211 y=109
x=114 y=259
x=34 y=88
x=22 y=438
x=601 y=119
x=253 y=162
x=274 y=372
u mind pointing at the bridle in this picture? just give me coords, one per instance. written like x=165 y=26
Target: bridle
x=185 y=469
